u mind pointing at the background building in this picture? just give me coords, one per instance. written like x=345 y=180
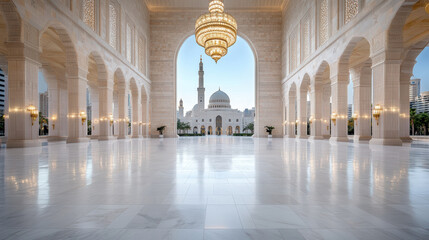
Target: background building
x=219 y=118
x=414 y=88
x=44 y=104
x=3 y=91
x=421 y=103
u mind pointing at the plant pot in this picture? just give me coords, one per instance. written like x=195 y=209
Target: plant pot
x=270 y=136
x=161 y=136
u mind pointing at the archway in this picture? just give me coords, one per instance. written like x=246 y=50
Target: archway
x=203 y=130
x=218 y=125
x=321 y=103
x=198 y=77
x=210 y=131
x=237 y=129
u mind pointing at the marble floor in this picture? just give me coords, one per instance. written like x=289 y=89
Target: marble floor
x=227 y=188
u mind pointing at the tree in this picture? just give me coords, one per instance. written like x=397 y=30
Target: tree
x=412 y=120
x=249 y=127
x=351 y=126
x=425 y=122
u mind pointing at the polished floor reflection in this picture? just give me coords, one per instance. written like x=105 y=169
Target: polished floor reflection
x=227 y=188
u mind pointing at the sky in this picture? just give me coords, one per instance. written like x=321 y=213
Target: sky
x=234 y=74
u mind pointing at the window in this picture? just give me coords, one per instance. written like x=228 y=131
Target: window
x=113 y=24
x=196 y=120
x=202 y=120
x=142 y=55
x=237 y=120
x=89 y=13
x=130 y=43
x=229 y=120
x=210 y=120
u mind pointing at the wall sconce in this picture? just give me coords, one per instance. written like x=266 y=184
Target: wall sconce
x=310 y=120
x=334 y=118
x=111 y=119
x=377 y=112
x=54 y=118
x=355 y=117
x=34 y=113
x=83 y=116
x=297 y=121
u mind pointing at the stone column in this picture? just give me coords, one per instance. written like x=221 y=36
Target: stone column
x=404 y=115
x=23 y=72
x=326 y=111
x=57 y=97
x=95 y=112
x=316 y=105
x=339 y=82
x=302 y=113
x=123 y=113
x=291 y=115
x=76 y=86
x=137 y=115
x=386 y=79
x=105 y=95
x=361 y=78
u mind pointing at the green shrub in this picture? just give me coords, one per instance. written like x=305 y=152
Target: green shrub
x=243 y=134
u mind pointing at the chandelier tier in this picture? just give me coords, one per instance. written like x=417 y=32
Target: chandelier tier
x=216 y=31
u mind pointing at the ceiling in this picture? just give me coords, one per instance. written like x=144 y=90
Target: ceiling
x=159 y=5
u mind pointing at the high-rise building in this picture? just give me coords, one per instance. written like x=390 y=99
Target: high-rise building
x=3 y=91
x=414 y=88
x=43 y=104
x=349 y=111
x=421 y=103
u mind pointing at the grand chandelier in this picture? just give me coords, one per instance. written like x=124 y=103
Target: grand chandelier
x=216 y=31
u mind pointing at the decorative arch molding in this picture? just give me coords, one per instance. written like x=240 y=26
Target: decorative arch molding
x=13 y=20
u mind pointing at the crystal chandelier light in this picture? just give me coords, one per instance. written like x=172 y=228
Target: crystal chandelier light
x=216 y=31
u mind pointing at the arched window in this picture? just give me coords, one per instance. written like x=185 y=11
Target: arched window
x=114 y=24
x=89 y=14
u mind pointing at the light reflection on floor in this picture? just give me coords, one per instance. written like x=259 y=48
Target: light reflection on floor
x=215 y=188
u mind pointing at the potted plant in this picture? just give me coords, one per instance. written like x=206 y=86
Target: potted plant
x=161 y=131
x=269 y=130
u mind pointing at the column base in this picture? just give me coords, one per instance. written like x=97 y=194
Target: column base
x=301 y=137
x=123 y=137
x=312 y=138
x=386 y=141
x=78 y=140
x=358 y=138
x=106 y=138
x=326 y=136
x=339 y=139
x=93 y=137
x=406 y=139
x=23 y=143
x=137 y=137
x=56 y=139
x=293 y=136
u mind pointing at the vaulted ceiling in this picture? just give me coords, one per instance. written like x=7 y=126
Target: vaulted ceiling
x=159 y=5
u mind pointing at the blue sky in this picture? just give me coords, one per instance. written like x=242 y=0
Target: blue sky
x=234 y=74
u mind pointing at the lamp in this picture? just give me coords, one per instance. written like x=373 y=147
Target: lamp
x=111 y=119
x=33 y=113
x=377 y=112
x=310 y=120
x=334 y=118
x=54 y=118
x=216 y=31
x=355 y=117
x=83 y=116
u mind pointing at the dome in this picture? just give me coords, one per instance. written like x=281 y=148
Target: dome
x=219 y=99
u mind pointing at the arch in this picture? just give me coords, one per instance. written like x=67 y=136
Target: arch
x=97 y=61
x=305 y=83
x=195 y=130
x=255 y=54
x=219 y=125
x=321 y=72
x=68 y=46
x=203 y=130
x=356 y=52
x=13 y=20
x=395 y=40
x=119 y=79
x=210 y=130
x=237 y=129
x=229 y=131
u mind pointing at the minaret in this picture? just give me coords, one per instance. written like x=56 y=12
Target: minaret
x=181 y=108
x=201 y=89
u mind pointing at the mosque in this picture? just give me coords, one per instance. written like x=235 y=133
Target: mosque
x=219 y=118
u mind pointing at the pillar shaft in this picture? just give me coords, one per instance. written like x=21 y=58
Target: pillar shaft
x=404 y=117
x=123 y=113
x=386 y=78
x=302 y=113
x=76 y=86
x=95 y=111
x=361 y=77
x=137 y=115
x=316 y=101
x=326 y=110
x=339 y=84
x=291 y=119
x=105 y=94
x=23 y=74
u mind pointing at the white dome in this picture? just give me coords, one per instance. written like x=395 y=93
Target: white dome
x=219 y=99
